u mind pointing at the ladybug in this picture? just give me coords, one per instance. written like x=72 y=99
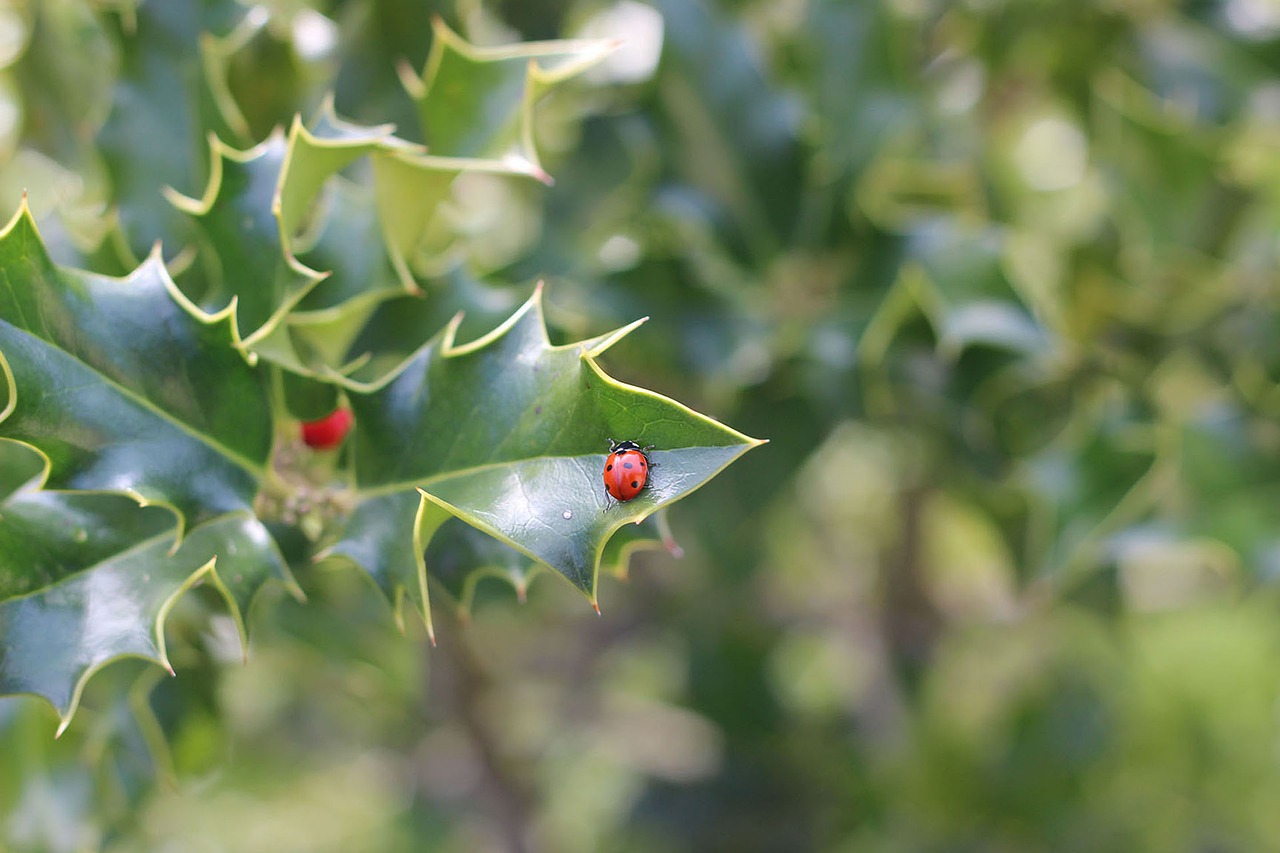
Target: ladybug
x=626 y=470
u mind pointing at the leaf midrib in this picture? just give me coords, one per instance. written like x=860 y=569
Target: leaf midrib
x=403 y=485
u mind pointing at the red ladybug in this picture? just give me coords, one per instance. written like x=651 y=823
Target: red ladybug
x=626 y=470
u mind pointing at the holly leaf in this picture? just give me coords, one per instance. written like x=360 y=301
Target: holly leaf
x=413 y=189
x=256 y=210
x=317 y=153
x=124 y=386
x=164 y=105
x=459 y=556
x=244 y=253
x=88 y=578
x=350 y=246
x=368 y=241
x=477 y=102
x=509 y=434
x=651 y=534
x=305 y=254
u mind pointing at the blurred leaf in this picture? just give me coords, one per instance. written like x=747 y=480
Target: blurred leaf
x=65 y=74
x=478 y=102
x=319 y=152
x=459 y=556
x=412 y=191
x=1103 y=475
x=859 y=85
x=731 y=133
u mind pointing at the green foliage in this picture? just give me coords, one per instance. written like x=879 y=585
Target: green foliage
x=503 y=433
x=124 y=386
x=996 y=279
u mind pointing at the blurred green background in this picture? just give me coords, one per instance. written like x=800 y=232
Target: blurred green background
x=997 y=278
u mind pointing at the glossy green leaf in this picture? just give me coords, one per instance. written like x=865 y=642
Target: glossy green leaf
x=244 y=254
x=124 y=386
x=259 y=210
x=165 y=105
x=20 y=465
x=382 y=537
x=321 y=151
x=86 y=579
x=459 y=556
x=295 y=244
x=351 y=248
x=509 y=434
x=395 y=330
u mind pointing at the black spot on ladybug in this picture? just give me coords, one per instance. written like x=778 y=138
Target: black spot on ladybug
x=641 y=463
x=627 y=465
x=635 y=484
x=609 y=467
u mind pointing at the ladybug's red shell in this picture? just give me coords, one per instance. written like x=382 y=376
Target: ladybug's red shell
x=626 y=470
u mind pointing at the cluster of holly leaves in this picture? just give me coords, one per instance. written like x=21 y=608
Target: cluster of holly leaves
x=150 y=409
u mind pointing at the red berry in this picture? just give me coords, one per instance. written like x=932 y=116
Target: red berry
x=329 y=431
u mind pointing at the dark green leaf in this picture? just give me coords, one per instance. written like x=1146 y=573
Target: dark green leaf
x=509 y=434
x=164 y=107
x=124 y=386
x=244 y=255
x=86 y=579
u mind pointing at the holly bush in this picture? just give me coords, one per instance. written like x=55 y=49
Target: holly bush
x=997 y=280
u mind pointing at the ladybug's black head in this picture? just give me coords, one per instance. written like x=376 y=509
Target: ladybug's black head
x=615 y=446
